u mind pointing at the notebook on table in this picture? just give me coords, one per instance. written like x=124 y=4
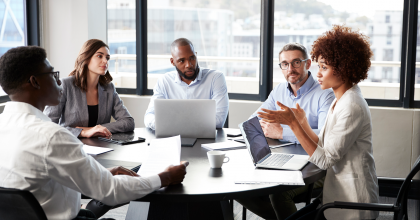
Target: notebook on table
x=260 y=152
x=227 y=145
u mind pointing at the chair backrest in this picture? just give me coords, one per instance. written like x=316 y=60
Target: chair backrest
x=19 y=204
x=405 y=187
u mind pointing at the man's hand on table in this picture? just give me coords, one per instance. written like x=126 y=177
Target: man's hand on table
x=173 y=174
x=122 y=171
x=272 y=130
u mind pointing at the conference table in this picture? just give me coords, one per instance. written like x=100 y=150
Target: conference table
x=205 y=192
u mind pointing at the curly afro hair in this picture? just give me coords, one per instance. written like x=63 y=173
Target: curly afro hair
x=347 y=51
x=18 y=64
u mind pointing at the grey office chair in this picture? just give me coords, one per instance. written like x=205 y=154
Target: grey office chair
x=19 y=204
x=399 y=208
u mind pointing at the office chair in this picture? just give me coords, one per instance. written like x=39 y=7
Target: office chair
x=226 y=125
x=399 y=208
x=19 y=204
x=305 y=197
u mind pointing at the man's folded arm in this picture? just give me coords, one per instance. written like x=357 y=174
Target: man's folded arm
x=270 y=103
x=288 y=134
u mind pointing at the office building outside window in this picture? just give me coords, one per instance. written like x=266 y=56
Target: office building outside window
x=304 y=21
x=387 y=18
x=225 y=34
x=417 y=77
x=12 y=26
x=122 y=42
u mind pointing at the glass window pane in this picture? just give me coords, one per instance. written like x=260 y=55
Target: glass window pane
x=122 y=42
x=12 y=26
x=417 y=79
x=304 y=21
x=225 y=34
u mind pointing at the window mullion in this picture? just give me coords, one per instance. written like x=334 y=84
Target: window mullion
x=266 y=51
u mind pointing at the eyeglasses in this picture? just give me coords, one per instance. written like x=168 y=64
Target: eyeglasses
x=295 y=63
x=56 y=75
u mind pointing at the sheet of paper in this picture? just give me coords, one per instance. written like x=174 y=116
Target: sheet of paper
x=92 y=150
x=278 y=177
x=162 y=153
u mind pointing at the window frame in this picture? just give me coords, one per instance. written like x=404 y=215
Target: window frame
x=408 y=53
x=266 y=68
x=32 y=29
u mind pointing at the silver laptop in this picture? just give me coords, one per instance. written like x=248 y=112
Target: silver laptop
x=190 y=118
x=260 y=151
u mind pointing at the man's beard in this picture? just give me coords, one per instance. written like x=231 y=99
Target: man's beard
x=183 y=75
x=302 y=77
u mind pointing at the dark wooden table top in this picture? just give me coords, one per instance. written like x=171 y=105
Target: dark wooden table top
x=202 y=183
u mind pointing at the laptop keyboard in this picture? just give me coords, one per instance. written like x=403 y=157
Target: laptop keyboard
x=277 y=160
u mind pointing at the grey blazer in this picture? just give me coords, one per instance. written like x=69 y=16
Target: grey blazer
x=73 y=111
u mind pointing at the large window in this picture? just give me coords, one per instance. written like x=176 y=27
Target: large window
x=12 y=26
x=225 y=34
x=122 y=42
x=227 y=37
x=304 y=21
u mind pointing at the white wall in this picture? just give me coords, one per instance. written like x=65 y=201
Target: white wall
x=66 y=25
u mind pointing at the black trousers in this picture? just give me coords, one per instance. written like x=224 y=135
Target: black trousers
x=308 y=212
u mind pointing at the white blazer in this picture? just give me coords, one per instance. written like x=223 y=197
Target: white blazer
x=345 y=151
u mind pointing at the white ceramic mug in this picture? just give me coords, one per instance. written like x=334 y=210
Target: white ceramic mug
x=217 y=158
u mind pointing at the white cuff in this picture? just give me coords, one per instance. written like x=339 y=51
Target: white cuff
x=155 y=182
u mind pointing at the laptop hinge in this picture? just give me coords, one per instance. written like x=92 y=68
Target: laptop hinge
x=264 y=158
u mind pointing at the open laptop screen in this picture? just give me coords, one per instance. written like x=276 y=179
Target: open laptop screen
x=257 y=143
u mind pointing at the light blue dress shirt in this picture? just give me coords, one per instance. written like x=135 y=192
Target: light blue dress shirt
x=310 y=97
x=209 y=84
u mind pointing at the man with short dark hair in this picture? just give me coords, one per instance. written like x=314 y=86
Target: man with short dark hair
x=300 y=89
x=46 y=159
x=189 y=81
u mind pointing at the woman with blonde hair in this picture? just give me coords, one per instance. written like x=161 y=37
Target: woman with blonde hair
x=89 y=97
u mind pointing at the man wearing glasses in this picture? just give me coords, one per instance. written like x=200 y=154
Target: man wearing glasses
x=300 y=88
x=46 y=159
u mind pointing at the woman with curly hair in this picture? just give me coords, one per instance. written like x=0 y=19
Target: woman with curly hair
x=344 y=145
x=89 y=97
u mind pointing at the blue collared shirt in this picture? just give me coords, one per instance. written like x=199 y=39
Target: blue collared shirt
x=310 y=97
x=209 y=84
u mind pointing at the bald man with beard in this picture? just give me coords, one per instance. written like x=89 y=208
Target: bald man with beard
x=189 y=81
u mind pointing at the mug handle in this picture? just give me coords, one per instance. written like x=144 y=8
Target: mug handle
x=227 y=160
